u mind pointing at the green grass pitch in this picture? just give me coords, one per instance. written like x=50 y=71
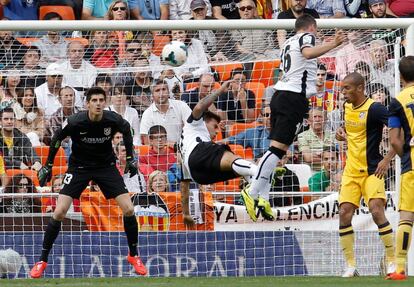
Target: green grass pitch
x=216 y=282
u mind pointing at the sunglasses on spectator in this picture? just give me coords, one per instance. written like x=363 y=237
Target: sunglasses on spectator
x=23 y=184
x=118 y=8
x=243 y=8
x=266 y=115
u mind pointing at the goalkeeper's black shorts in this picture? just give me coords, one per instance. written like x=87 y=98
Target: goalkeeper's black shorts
x=108 y=179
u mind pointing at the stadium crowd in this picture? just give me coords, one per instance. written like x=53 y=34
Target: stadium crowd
x=44 y=77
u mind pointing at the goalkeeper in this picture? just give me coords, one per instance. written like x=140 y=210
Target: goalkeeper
x=92 y=158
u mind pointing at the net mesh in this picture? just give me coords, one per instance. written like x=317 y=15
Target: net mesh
x=43 y=81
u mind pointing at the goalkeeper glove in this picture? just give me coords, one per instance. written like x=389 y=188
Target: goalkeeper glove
x=131 y=166
x=45 y=174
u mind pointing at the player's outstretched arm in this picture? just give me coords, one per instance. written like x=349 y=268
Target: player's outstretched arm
x=317 y=51
x=206 y=102
x=185 y=203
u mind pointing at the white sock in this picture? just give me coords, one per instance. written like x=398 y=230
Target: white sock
x=262 y=180
x=244 y=168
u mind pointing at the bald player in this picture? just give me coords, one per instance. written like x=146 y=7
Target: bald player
x=364 y=170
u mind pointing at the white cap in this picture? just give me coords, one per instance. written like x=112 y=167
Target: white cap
x=53 y=70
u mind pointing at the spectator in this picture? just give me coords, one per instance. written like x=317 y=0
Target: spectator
x=49 y=204
x=253 y=44
x=120 y=106
x=47 y=94
x=77 y=72
x=139 y=88
x=33 y=75
x=401 y=8
x=197 y=62
x=256 y=138
x=214 y=42
x=225 y=9
x=95 y=9
x=56 y=120
x=100 y=52
x=161 y=156
x=164 y=111
x=52 y=46
x=149 y=10
x=20 y=204
x=297 y=9
x=134 y=184
x=205 y=88
x=312 y=141
x=20 y=10
x=15 y=146
x=378 y=9
x=158 y=182
x=350 y=54
x=326 y=99
x=174 y=81
x=379 y=93
x=146 y=39
x=284 y=180
x=118 y=137
x=10 y=50
x=133 y=52
x=328 y=9
x=238 y=103
x=118 y=10
x=328 y=179
x=365 y=70
x=382 y=69
x=30 y=120
x=182 y=9
x=11 y=82
x=104 y=81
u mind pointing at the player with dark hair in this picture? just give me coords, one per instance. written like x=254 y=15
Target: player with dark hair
x=289 y=105
x=204 y=161
x=92 y=158
x=365 y=169
x=401 y=124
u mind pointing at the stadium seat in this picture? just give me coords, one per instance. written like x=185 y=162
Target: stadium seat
x=258 y=89
x=27 y=41
x=305 y=199
x=303 y=171
x=56 y=170
x=66 y=12
x=194 y=85
x=224 y=71
x=43 y=151
x=159 y=42
x=232 y=185
x=333 y=85
x=264 y=72
x=237 y=128
x=142 y=149
x=239 y=150
x=32 y=174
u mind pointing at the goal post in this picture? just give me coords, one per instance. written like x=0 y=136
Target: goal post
x=304 y=238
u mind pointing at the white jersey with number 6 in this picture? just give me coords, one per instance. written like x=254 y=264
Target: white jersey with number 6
x=299 y=73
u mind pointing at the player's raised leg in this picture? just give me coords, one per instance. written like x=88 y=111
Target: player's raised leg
x=131 y=231
x=52 y=231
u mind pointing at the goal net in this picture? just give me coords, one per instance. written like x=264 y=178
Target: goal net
x=44 y=77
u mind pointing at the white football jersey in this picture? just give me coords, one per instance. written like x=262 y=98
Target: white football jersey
x=194 y=132
x=299 y=73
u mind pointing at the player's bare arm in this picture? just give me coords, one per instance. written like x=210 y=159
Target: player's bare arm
x=206 y=102
x=317 y=51
x=397 y=140
x=384 y=164
x=185 y=203
x=340 y=134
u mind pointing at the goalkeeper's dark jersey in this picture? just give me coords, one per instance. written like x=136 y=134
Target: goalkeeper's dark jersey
x=92 y=141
